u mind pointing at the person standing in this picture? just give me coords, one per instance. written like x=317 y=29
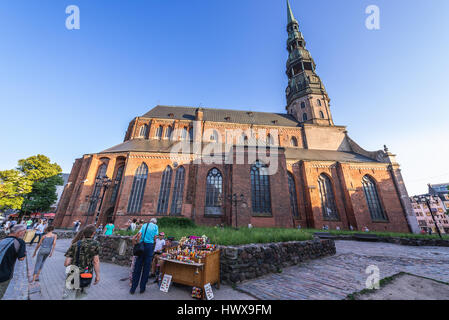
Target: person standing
x=46 y=248
x=142 y=267
x=39 y=232
x=84 y=254
x=29 y=223
x=135 y=240
x=12 y=248
x=133 y=225
x=159 y=246
x=109 y=229
x=7 y=226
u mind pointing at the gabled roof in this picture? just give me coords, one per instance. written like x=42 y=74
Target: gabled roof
x=165 y=146
x=223 y=115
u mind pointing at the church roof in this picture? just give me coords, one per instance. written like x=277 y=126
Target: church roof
x=165 y=146
x=223 y=115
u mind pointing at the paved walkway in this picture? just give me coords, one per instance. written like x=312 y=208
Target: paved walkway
x=110 y=287
x=337 y=276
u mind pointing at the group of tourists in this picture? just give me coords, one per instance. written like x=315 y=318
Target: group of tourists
x=83 y=254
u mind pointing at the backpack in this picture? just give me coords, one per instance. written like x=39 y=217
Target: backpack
x=5 y=244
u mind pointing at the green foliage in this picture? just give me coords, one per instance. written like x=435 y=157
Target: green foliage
x=45 y=177
x=32 y=186
x=230 y=236
x=175 y=222
x=43 y=195
x=13 y=187
x=38 y=167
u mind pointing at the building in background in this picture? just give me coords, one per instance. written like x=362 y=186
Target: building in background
x=441 y=190
x=323 y=177
x=424 y=217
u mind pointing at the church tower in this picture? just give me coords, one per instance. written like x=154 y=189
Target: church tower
x=307 y=99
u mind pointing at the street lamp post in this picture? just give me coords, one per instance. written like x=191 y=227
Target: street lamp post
x=102 y=182
x=426 y=199
x=234 y=201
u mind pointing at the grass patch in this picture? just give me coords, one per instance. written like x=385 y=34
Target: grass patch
x=382 y=283
x=381 y=234
x=229 y=236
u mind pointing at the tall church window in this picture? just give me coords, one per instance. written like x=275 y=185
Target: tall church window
x=158 y=134
x=260 y=188
x=164 y=193
x=328 y=205
x=321 y=115
x=304 y=116
x=214 y=192
x=118 y=180
x=184 y=133
x=294 y=142
x=293 y=196
x=168 y=133
x=372 y=198
x=303 y=105
x=318 y=101
x=214 y=136
x=178 y=189
x=270 y=140
x=101 y=172
x=143 y=131
x=243 y=139
x=138 y=189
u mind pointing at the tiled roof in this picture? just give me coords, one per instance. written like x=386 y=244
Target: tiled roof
x=223 y=115
x=164 y=146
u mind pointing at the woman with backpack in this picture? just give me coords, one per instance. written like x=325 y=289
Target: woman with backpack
x=46 y=248
x=82 y=255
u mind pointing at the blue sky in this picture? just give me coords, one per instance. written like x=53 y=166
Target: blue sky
x=67 y=93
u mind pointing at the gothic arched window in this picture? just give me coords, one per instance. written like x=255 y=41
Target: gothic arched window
x=184 y=133
x=243 y=139
x=321 y=114
x=293 y=142
x=214 y=136
x=214 y=192
x=260 y=188
x=117 y=181
x=304 y=116
x=168 y=132
x=318 y=101
x=303 y=105
x=270 y=140
x=101 y=172
x=178 y=189
x=328 y=205
x=158 y=134
x=293 y=196
x=372 y=198
x=138 y=189
x=143 y=131
x=164 y=193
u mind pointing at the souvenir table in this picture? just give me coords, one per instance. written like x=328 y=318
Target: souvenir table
x=194 y=262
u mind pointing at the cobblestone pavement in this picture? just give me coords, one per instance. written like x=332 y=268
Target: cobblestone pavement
x=50 y=286
x=337 y=276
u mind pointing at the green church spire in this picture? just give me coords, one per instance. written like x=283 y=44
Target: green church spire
x=290 y=16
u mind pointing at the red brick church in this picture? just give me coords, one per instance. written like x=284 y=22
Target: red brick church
x=219 y=166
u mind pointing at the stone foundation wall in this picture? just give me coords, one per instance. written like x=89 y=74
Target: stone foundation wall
x=239 y=263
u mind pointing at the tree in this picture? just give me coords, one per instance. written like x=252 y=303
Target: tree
x=13 y=187
x=44 y=176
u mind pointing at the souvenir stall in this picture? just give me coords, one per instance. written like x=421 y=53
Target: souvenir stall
x=193 y=262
